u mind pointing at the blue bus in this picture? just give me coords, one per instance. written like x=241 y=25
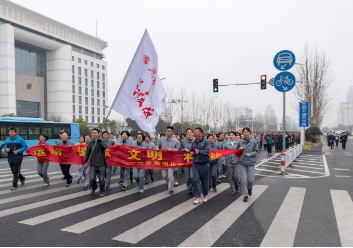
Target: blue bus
x=30 y=129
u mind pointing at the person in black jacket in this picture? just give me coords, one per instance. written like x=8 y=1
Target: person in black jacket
x=95 y=152
x=344 y=139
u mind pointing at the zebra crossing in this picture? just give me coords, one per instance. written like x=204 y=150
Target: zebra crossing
x=305 y=166
x=156 y=218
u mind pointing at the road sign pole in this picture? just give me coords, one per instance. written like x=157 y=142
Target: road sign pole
x=283 y=154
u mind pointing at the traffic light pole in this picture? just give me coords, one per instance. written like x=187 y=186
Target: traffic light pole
x=237 y=84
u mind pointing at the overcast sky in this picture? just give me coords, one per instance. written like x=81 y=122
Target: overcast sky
x=234 y=41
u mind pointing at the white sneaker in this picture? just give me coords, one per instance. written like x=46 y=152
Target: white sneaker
x=224 y=176
x=46 y=184
x=197 y=200
x=204 y=198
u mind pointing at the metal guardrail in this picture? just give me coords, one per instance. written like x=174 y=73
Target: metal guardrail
x=292 y=154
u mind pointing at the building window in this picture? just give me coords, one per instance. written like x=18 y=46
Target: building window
x=103 y=111
x=92 y=64
x=86 y=73
x=103 y=67
x=79 y=60
x=80 y=116
x=98 y=93
x=103 y=76
x=97 y=75
x=73 y=58
x=30 y=60
x=73 y=108
x=73 y=79
x=92 y=101
x=79 y=90
x=92 y=110
x=86 y=110
x=73 y=69
x=92 y=74
x=92 y=84
x=98 y=102
x=86 y=100
x=103 y=84
x=27 y=109
x=86 y=91
x=79 y=81
x=73 y=89
x=80 y=109
x=98 y=111
x=92 y=92
x=92 y=119
x=80 y=100
x=104 y=104
x=86 y=118
x=99 y=119
x=86 y=82
x=103 y=94
x=98 y=66
x=73 y=98
x=79 y=71
x=85 y=62
x=97 y=84
x=73 y=116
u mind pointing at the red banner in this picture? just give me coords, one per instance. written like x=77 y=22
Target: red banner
x=125 y=156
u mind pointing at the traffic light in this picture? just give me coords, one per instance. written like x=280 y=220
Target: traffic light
x=215 y=85
x=263 y=82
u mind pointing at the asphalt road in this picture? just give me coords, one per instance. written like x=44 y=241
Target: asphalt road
x=311 y=206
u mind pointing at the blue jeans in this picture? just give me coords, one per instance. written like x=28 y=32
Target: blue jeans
x=100 y=170
x=201 y=172
x=81 y=172
x=108 y=175
x=87 y=176
x=42 y=170
x=188 y=178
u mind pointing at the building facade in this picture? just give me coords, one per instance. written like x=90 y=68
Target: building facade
x=347 y=113
x=48 y=69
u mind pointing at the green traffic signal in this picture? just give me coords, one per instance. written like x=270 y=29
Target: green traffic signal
x=215 y=85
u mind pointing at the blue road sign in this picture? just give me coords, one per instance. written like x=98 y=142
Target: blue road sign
x=284 y=81
x=284 y=60
x=304 y=114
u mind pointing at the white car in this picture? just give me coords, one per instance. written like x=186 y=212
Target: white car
x=284 y=58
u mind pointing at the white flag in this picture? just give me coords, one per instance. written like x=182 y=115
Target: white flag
x=141 y=96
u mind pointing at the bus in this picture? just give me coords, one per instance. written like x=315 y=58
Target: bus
x=30 y=129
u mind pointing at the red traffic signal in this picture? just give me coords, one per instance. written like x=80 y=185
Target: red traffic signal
x=263 y=77
x=263 y=82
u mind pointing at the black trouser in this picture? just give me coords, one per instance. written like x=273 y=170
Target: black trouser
x=287 y=146
x=213 y=174
x=331 y=144
x=101 y=173
x=269 y=148
x=65 y=168
x=336 y=143
x=344 y=145
x=16 y=171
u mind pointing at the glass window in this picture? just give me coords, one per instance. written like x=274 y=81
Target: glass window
x=97 y=65
x=73 y=69
x=92 y=64
x=80 y=109
x=92 y=74
x=73 y=108
x=99 y=119
x=103 y=76
x=86 y=118
x=86 y=100
x=86 y=110
x=86 y=82
x=103 y=111
x=73 y=58
x=92 y=83
x=79 y=71
x=103 y=119
x=48 y=131
x=27 y=109
x=92 y=119
x=92 y=92
x=86 y=73
x=98 y=102
x=85 y=62
x=73 y=98
x=79 y=90
x=97 y=84
x=92 y=110
x=22 y=131
x=103 y=67
x=97 y=75
x=73 y=79
x=79 y=81
x=80 y=100
x=104 y=104
x=80 y=116
x=86 y=91
x=103 y=84
x=73 y=89
x=98 y=93
x=103 y=94
x=79 y=60
x=92 y=101
x=73 y=116
x=98 y=111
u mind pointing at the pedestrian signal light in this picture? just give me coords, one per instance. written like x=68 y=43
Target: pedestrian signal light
x=263 y=82
x=215 y=85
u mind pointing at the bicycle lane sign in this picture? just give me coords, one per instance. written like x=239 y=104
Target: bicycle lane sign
x=284 y=81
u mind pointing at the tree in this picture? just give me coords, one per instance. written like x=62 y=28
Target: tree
x=312 y=134
x=83 y=125
x=110 y=125
x=56 y=118
x=314 y=70
x=10 y=115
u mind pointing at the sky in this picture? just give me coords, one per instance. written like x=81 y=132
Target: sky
x=234 y=41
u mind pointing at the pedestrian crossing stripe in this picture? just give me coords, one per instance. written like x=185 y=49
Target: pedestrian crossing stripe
x=50 y=173
x=8 y=171
x=8 y=175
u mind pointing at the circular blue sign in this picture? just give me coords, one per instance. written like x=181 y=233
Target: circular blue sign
x=284 y=60
x=284 y=81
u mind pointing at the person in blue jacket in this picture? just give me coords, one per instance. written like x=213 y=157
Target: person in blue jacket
x=269 y=139
x=15 y=146
x=331 y=140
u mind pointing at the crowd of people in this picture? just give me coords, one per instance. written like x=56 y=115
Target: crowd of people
x=333 y=139
x=201 y=177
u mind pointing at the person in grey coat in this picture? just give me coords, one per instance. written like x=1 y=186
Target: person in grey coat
x=65 y=168
x=139 y=174
x=125 y=172
x=213 y=164
x=233 y=163
x=247 y=161
x=149 y=145
x=109 y=169
x=186 y=144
